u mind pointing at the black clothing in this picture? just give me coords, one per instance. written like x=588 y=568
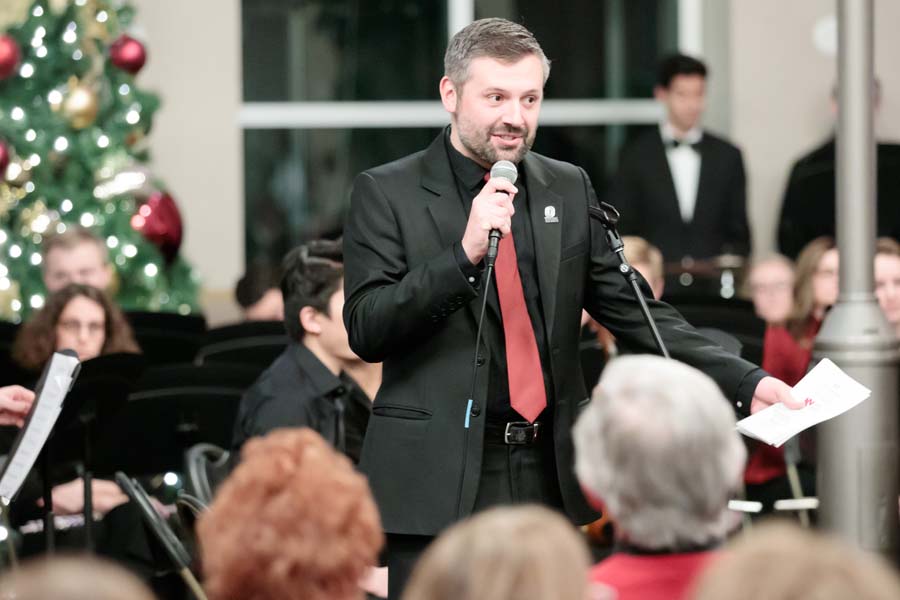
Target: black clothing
x=644 y=193
x=297 y=390
x=808 y=208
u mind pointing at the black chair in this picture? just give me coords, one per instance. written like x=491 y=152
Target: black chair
x=256 y=343
x=167 y=338
x=173 y=408
x=205 y=467
x=161 y=533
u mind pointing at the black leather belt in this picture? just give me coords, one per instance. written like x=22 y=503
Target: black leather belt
x=514 y=433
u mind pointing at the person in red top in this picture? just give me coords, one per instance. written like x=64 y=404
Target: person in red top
x=787 y=350
x=658 y=451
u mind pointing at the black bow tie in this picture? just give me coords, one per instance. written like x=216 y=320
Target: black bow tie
x=673 y=143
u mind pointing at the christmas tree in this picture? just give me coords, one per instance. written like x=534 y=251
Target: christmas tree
x=73 y=150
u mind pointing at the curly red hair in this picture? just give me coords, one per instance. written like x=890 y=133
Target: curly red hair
x=294 y=520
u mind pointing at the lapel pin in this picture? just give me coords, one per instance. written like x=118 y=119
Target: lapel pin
x=550 y=215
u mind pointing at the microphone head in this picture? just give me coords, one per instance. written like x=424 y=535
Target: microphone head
x=504 y=169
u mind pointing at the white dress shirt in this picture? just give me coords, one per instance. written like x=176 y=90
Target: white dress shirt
x=684 y=164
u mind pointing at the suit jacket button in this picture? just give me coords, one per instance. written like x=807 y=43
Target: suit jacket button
x=480 y=360
x=476 y=409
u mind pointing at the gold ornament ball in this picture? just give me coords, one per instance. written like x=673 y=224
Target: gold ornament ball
x=80 y=107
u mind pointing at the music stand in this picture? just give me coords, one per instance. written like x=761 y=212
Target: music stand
x=161 y=532
x=101 y=391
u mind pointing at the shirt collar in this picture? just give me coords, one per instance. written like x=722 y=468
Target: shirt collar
x=694 y=135
x=468 y=172
x=325 y=383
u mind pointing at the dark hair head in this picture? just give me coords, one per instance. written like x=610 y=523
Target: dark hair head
x=36 y=340
x=678 y=64
x=258 y=280
x=312 y=273
x=495 y=38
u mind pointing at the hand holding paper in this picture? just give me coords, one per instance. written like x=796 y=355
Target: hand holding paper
x=826 y=391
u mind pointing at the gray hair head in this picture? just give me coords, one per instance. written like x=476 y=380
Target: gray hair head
x=499 y=39
x=658 y=445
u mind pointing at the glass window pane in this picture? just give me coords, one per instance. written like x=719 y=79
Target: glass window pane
x=297 y=182
x=598 y=48
x=319 y=50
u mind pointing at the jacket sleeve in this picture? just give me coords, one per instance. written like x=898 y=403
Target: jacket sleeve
x=389 y=303
x=609 y=300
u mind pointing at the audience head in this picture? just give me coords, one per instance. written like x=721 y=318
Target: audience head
x=508 y=553
x=72 y=578
x=78 y=317
x=75 y=256
x=313 y=288
x=258 y=294
x=815 y=283
x=681 y=87
x=293 y=520
x=887 y=279
x=647 y=260
x=657 y=447
x=779 y=561
x=771 y=285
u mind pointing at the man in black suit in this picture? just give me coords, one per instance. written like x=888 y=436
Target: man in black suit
x=680 y=187
x=807 y=210
x=414 y=248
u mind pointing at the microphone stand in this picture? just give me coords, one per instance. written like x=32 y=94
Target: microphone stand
x=608 y=217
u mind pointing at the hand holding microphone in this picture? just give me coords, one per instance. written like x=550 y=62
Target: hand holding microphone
x=491 y=214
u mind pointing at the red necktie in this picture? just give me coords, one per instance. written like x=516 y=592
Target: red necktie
x=523 y=363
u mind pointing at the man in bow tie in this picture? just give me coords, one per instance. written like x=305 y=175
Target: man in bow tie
x=678 y=186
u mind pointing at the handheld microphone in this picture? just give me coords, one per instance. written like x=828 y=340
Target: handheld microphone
x=502 y=169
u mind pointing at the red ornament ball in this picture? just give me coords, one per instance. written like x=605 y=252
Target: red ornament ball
x=128 y=54
x=159 y=221
x=10 y=55
x=4 y=157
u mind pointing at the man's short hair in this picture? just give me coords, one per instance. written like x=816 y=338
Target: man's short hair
x=73 y=236
x=658 y=446
x=258 y=280
x=495 y=38
x=887 y=246
x=312 y=273
x=678 y=64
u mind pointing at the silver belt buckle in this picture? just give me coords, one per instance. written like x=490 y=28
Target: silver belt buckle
x=535 y=428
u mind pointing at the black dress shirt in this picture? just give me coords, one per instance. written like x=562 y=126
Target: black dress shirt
x=470 y=179
x=297 y=390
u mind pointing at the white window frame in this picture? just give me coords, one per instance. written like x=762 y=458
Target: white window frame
x=430 y=113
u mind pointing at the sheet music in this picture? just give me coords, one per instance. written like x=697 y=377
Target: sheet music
x=827 y=392
x=57 y=380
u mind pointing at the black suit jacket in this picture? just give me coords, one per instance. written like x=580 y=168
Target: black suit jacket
x=409 y=305
x=807 y=210
x=644 y=193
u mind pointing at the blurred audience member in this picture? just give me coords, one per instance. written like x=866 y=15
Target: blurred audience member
x=807 y=210
x=306 y=385
x=657 y=450
x=72 y=578
x=507 y=553
x=787 y=351
x=75 y=256
x=887 y=280
x=771 y=284
x=258 y=294
x=657 y=189
x=294 y=520
x=778 y=561
x=78 y=317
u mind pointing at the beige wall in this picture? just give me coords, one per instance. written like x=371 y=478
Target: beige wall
x=194 y=63
x=780 y=92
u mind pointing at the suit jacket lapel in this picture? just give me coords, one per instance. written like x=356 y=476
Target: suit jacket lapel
x=445 y=206
x=547 y=234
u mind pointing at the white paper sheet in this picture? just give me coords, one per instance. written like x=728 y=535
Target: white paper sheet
x=827 y=392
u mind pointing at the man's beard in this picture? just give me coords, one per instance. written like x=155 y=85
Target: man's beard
x=478 y=142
